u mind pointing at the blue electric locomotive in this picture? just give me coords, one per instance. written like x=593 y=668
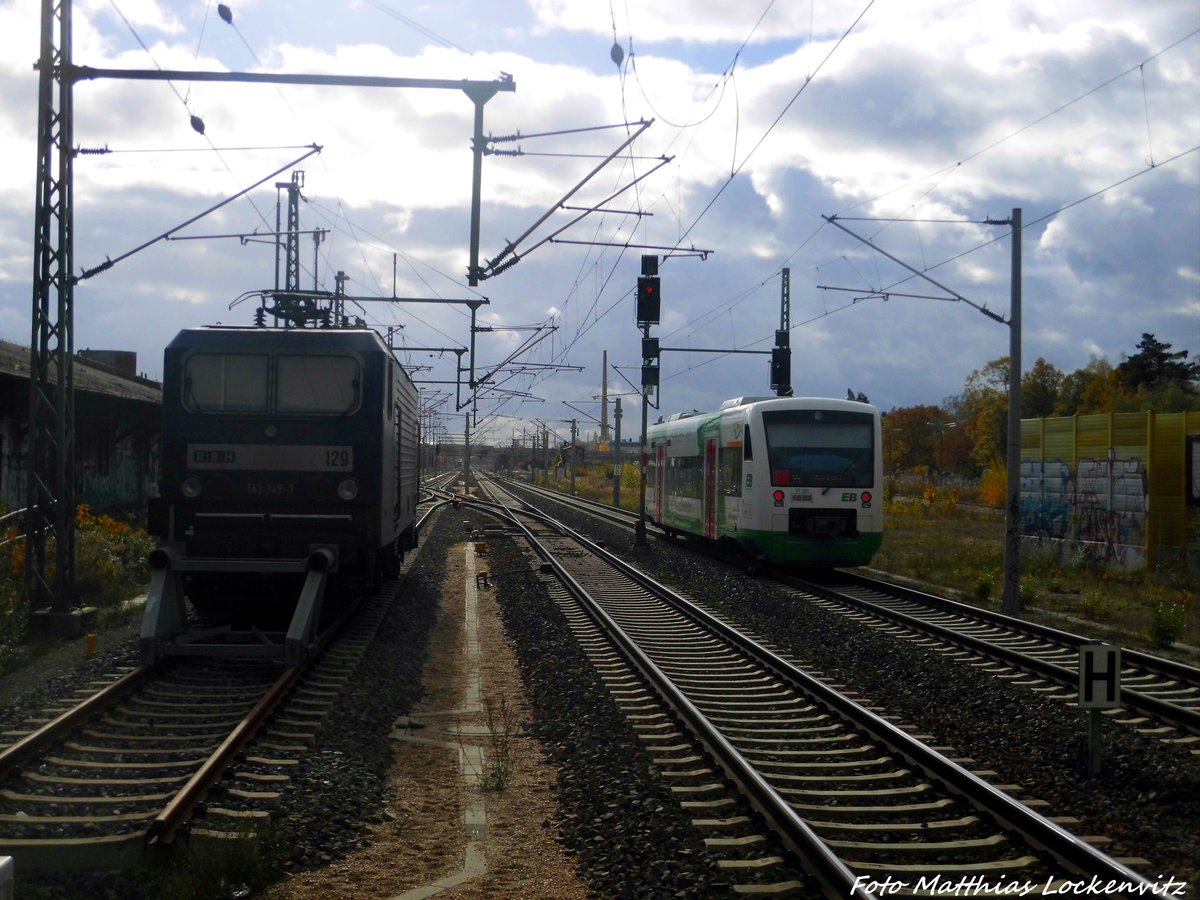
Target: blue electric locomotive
x=289 y=458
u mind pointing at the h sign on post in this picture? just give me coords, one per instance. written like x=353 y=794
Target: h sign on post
x=1099 y=676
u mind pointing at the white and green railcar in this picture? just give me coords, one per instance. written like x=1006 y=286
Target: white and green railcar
x=797 y=481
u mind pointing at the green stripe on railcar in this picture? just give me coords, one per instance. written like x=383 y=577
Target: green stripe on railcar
x=796 y=550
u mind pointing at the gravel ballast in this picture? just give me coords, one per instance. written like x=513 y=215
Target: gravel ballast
x=1146 y=798
x=628 y=835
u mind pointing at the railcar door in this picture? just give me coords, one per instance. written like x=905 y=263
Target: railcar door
x=660 y=480
x=710 y=487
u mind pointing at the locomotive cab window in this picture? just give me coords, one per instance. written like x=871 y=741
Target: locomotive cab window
x=820 y=448
x=225 y=383
x=241 y=383
x=316 y=384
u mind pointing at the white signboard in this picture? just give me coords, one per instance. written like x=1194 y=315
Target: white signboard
x=1099 y=676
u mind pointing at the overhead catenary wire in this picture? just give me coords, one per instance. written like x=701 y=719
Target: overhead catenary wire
x=631 y=63
x=184 y=102
x=796 y=96
x=598 y=270
x=741 y=165
x=1062 y=209
x=1034 y=123
x=736 y=169
x=883 y=292
x=947 y=170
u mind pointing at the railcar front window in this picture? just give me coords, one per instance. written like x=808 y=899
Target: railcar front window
x=225 y=383
x=316 y=384
x=820 y=448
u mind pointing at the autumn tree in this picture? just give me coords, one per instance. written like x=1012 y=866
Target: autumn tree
x=1154 y=365
x=1092 y=389
x=1157 y=379
x=910 y=438
x=954 y=440
x=985 y=401
x=1040 y=388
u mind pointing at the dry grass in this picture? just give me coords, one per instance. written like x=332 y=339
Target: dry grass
x=960 y=548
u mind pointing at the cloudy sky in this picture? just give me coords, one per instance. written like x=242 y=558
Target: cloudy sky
x=911 y=122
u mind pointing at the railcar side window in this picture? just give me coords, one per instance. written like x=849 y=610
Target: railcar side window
x=820 y=448
x=217 y=382
x=687 y=477
x=316 y=384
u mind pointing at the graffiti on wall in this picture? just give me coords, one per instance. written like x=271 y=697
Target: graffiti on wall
x=1096 y=511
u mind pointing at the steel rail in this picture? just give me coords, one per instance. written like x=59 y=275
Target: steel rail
x=1161 y=709
x=162 y=830
x=836 y=879
x=54 y=729
x=1171 y=667
x=1069 y=849
x=1184 y=717
x=179 y=808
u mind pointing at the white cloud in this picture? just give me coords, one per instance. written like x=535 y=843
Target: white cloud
x=928 y=110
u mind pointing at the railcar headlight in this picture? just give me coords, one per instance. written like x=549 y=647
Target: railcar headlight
x=347 y=488
x=191 y=487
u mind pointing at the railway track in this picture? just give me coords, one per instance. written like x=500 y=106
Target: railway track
x=1160 y=697
x=201 y=745
x=841 y=797
x=127 y=765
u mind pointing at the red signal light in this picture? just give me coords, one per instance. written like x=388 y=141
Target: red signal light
x=865 y=496
x=778 y=496
x=649 y=303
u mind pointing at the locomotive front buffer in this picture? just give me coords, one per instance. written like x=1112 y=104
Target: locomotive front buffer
x=166 y=630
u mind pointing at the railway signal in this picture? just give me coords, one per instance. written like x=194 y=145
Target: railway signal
x=649 y=301
x=781 y=367
x=781 y=353
x=647 y=312
x=650 y=355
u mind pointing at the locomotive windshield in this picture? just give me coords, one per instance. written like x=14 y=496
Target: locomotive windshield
x=820 y=447
x=219 y=383
x=242 y=383
x=316 y=384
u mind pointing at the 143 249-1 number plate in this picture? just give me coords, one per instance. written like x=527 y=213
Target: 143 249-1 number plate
x=269 y=489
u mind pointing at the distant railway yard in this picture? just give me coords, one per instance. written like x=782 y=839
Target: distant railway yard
x=540 y=706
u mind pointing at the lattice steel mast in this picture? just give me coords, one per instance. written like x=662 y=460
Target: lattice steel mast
x=51 y=486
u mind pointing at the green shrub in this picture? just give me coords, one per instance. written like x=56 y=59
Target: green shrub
x=1029 y=595
x=984 y=585
x=1096 y=605
x=1166 y=623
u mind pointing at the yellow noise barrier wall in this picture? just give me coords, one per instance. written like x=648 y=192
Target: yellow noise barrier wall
x=1119 y=489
